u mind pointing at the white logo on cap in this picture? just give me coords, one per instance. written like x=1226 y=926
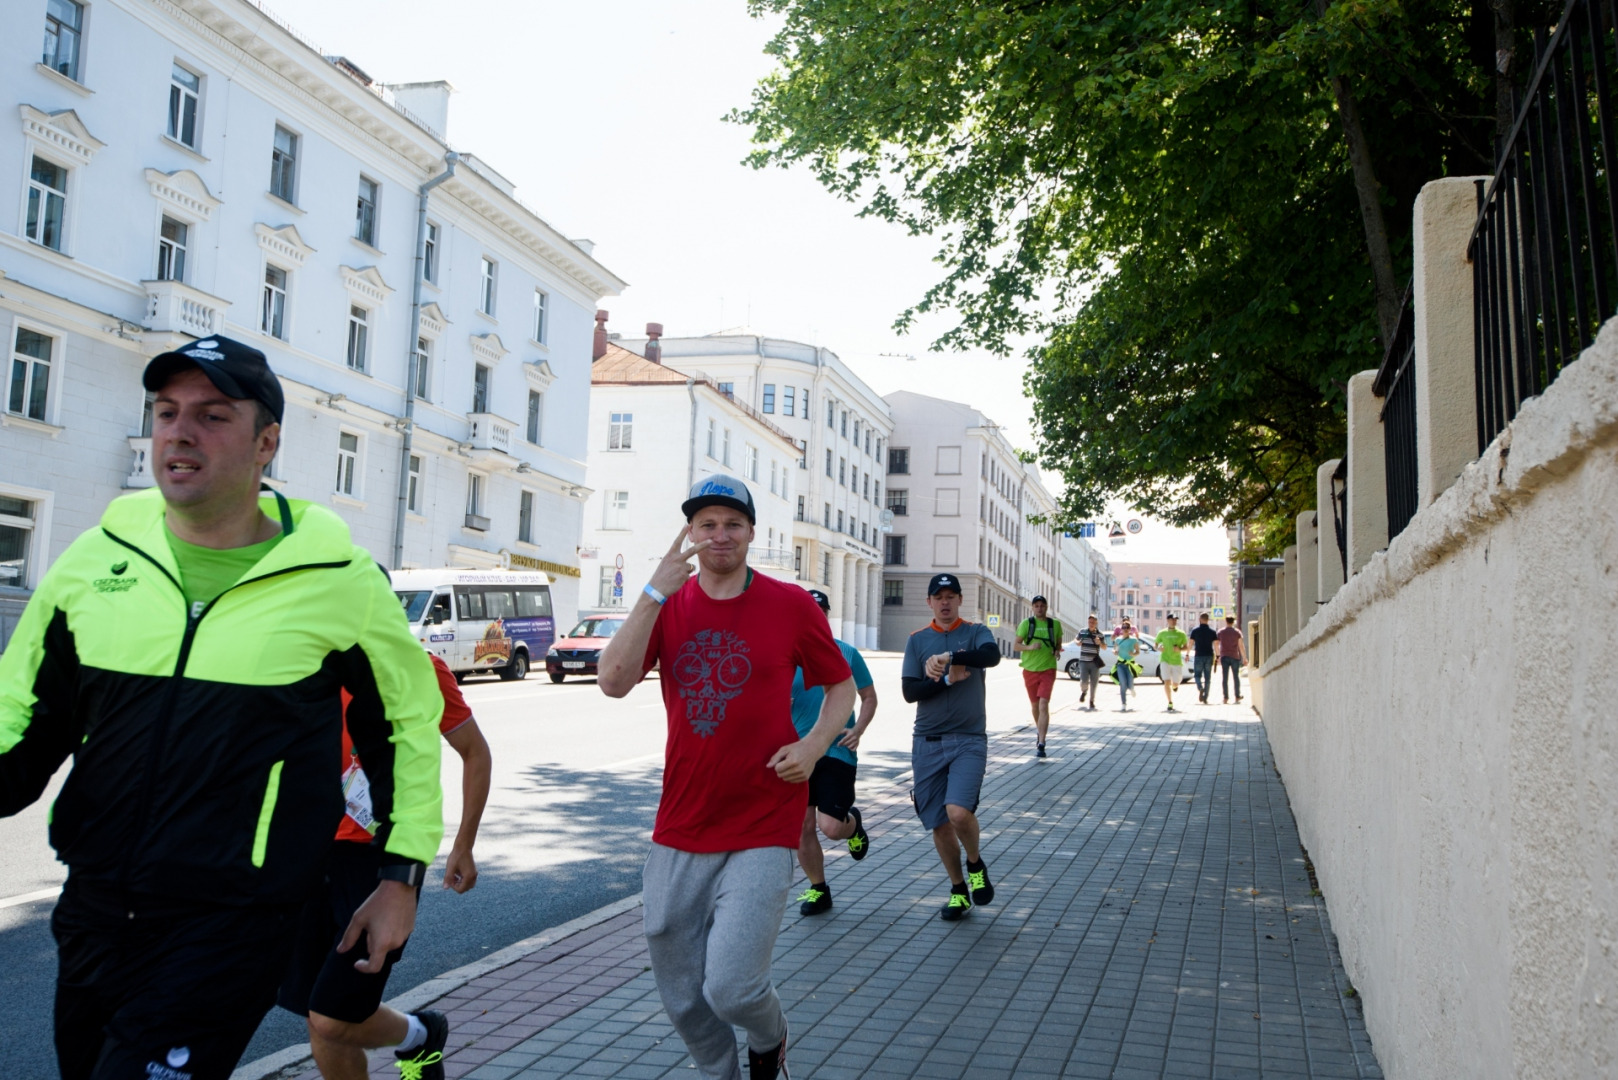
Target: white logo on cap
x=179 y=1056
x=207 y=345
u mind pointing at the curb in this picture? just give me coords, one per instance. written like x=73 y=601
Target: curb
x=298 y=1056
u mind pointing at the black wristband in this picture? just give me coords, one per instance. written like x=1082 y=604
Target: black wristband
x=410 y=873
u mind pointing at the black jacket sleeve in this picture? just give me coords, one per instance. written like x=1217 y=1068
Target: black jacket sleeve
x=920 y=689
x=986 y=655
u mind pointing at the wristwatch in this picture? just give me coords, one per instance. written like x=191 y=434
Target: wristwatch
x=410 y=873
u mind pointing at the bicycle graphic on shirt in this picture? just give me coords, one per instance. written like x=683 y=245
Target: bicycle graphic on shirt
x=711 y=670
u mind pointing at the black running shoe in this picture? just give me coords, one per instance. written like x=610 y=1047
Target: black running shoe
x=957 y=906
x=768 y=1065
x=982 y=888
x=859 y=845
x=425 y=1062
x=1039 y=749
x=816 y=900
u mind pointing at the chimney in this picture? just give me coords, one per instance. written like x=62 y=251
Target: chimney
x=654 y=350
x=428 y=102
x=599 y=349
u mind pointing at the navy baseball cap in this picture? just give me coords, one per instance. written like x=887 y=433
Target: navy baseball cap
x=236 y=370
x=821 y=598
x=1039 y=600
x=719 y=490
x=940 y=582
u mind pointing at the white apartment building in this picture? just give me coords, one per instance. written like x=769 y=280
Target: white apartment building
x=841 y=428
x=947 y=463
x=654 y=432
x=1087 y=584
x=183 y=168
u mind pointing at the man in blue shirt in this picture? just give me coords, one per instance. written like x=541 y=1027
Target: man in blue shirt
x=831 y=785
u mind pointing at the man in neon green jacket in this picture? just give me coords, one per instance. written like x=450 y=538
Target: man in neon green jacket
x=189 y=653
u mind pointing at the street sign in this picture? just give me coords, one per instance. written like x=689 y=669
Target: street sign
x=617 y=592
x=1216 y=612
x=1116 y=535
x=618 y=580
x=1134 y=526
x=619 y=561
x=992 y=621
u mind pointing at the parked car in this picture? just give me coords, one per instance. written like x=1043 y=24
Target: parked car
x=1146 y=656
x=578 y=652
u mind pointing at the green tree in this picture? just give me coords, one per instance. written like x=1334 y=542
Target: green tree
x=1181 y=201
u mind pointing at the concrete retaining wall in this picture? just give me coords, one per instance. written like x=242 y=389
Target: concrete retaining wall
x=1446 y=727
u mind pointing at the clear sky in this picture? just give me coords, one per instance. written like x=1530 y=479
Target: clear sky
x=608 y=118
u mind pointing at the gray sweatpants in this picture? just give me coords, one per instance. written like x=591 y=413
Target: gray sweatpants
x=711 y=922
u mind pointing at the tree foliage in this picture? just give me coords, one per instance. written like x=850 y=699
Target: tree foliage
x=1160 y=193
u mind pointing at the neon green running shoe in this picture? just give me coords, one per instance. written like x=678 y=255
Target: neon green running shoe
x=816 y=899
x=425 y=1062
x=978 y=881
x=958 y=904
x=859 y=845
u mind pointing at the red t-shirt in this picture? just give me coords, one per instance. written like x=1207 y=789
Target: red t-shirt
x=1230 y=642
x=357 y=789
x=727 y=685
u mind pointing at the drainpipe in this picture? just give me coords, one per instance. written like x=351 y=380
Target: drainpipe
x=691 y=458
x=408 y=426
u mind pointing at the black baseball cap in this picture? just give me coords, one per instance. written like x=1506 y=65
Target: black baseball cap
x=237 y=370
x=1039 y=600
x=940 y=582
x=719 y=490
x=821 y=598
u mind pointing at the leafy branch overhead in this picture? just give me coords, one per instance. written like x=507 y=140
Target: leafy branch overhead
x=1162 y=193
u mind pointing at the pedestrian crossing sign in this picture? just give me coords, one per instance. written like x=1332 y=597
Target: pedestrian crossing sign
x=992 y=622
x=1217 y=612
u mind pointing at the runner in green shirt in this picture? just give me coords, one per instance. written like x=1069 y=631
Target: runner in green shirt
x=1039 y=639
x=1171 y=665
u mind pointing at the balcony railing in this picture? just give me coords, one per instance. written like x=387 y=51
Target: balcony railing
x=478 y=522
x=175 y=307
x=1544 y=250
x=140 y=471
x=491 y=432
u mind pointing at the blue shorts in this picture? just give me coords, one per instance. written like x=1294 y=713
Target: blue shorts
x=947 y=771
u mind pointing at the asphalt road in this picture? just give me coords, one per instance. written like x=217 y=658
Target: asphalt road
x=576 y=783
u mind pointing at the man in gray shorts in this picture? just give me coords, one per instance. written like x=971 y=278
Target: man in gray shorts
x=943 y=677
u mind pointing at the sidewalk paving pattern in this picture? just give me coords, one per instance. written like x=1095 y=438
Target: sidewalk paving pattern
x=1154 y=918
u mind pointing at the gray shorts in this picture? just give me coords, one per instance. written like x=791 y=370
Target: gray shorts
x=948 y=771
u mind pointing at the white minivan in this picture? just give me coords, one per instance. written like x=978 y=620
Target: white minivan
x=479 y=620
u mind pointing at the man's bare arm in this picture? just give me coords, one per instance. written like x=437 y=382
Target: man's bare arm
x=621 y=661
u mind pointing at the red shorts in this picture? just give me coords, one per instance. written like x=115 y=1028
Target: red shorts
x=1040 y=684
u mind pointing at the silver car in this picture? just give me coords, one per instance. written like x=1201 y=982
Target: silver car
x=1146 y=656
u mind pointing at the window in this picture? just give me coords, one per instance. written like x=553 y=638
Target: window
x=424 y=366
x=831 y=415
x=876 y=493
x=899 y=501
x=949 y=460
x=856 y=434
x=947 y=502
x=803 y=454
x=541 y=300
x=272 y=317
x=359 y=333
x=893 y=593
x=825 y=568
x=171 y=236
x=898 y=462
x=769 y=397
x=893 y=551
x=604 y=593
x=774 y=488
x=844 y=431
x=525 y=517
x=801 y=500
x=620 y=430
x=828 y=461
x=480 y=388
x=867 y=441
x=879 y=451
x=486 y=288
x=839 y=521
x=536 y=411
x=863 y=538
x=47 y=203
x=713 y=436
x=284 y=165
x=803 y=403
x=828 y=515
x=16 y=534
x=429 y=254
x=30 y=375
x=728 y=389
x=185 y=91
x=348 y=455
x=413 y=493
x=854 y=477
x=64 y=22
x=842 y=471
x=365 y=212
x=787 y=394
x=724 y=451
x=797 y=560
x=474 y=500
x=616 y=515
x=750 y=462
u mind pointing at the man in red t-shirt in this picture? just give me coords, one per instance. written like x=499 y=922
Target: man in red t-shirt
x=344 y=1005
x=735 y=773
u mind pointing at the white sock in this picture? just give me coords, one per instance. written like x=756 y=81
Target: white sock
x=416 y=1035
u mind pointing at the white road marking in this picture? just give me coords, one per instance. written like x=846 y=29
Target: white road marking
x=30 y=897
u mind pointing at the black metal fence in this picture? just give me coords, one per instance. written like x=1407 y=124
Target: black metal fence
x=1395 y=384
x=1543 y=252
x=1339 y=511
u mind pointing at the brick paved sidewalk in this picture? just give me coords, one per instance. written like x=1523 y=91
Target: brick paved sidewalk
x=1154 y=918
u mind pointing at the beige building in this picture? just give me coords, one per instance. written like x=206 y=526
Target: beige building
x=961 y=498
x=1147 y=593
